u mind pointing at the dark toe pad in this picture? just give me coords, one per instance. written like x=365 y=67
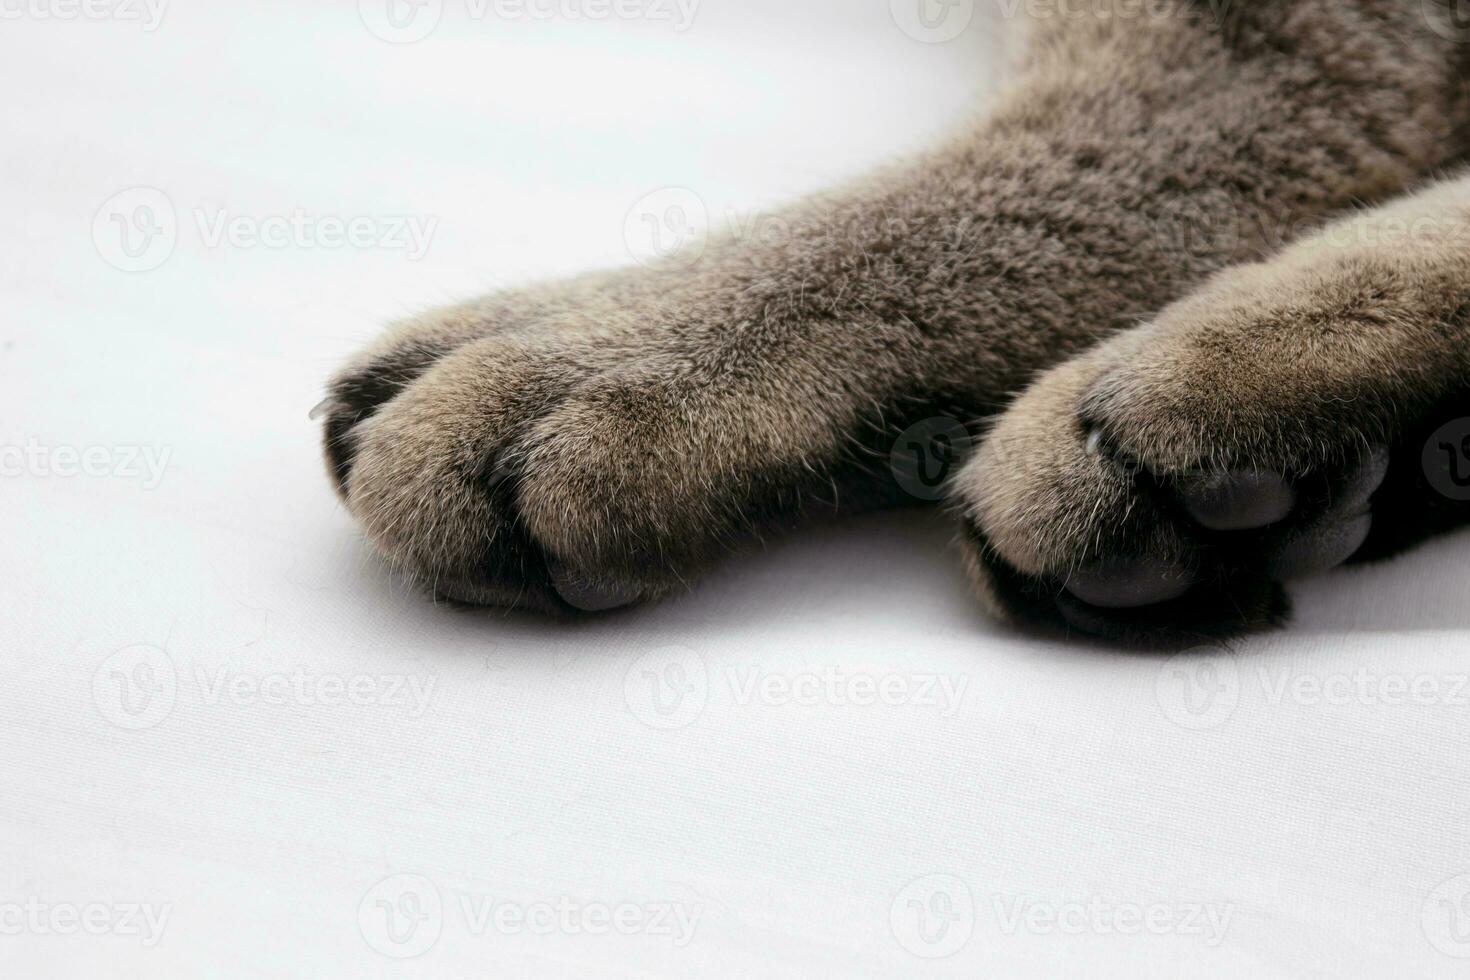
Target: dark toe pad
x=1318 y=547
x=1250 y=526
x=585 y=595
x=1130 y=584
x=1240 y=500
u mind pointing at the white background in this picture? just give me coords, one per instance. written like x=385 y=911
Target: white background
x=174 y=731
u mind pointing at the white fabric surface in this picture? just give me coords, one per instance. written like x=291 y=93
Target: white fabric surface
x=180 y=642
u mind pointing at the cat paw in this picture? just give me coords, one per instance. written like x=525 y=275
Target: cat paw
x=588 y=449
x=1164 y=485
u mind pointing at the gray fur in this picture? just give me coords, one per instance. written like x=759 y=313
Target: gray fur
x=603 y=440
x=1337 y=350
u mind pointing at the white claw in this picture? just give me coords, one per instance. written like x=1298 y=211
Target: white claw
x=1094 y=442
x=322 y=407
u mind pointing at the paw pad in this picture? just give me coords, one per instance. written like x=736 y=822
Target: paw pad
x=1253 y=520
x=1242 y=500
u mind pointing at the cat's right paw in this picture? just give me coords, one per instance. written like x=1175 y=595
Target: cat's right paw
x=1272 y=426
x=1074 y=514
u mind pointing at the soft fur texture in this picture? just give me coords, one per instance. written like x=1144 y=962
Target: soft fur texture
x=587 y=444
x=1323 y=369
